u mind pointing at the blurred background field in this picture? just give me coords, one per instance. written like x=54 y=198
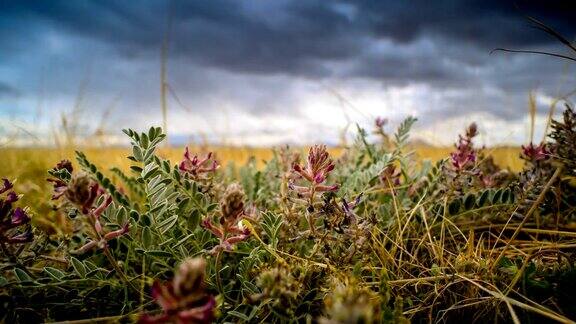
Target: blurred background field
x=29 y=166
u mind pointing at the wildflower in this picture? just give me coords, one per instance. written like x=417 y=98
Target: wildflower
x=197 y=167
x=465 y=154
x=81 y=190
x=184 y=300
x=349 y=302
x=65 y=165
x=380 y=122
x=535 y=153
x=280 y=285
x=318 y=166
x=12 y=218
x=6 y=185
x=348 y=208
x=230 y=230
x=101 y=238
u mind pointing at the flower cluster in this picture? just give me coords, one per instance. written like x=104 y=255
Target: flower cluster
x=230 y=230
x=535 y=153
x=196 y=167
x=184 y=299
x=319 y=165
x=379 y=124
x=101 y=237
x=11 y=219
x=349 y=302
x=465 y=154
x=279 y=285
x=348 y=208
x=83 y=192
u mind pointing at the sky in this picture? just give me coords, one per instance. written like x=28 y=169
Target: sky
x=268 y=72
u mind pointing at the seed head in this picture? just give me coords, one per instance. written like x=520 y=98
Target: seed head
x=82 y=191
x=189 y=279
x=233 y=202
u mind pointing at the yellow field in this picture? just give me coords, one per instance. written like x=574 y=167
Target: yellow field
x=29 y=165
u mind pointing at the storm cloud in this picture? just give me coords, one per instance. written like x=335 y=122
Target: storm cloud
x=272 y=66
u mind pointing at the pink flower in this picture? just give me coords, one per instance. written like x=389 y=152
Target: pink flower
x=184 y=300
x=318 y=167
x=380 y=122
x=465 y=154
x=536 y=153
x=197 y=167
x=6 y=185
x=13 y=218
x=229 y=231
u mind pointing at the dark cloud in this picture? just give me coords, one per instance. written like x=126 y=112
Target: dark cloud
x=256 y=54
x=294 y=37
x=491 y=23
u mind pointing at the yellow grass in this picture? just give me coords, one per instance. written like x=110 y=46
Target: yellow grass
x=32 y=163
x=29 y=166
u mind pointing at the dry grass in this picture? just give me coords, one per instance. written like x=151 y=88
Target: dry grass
x=30 y=164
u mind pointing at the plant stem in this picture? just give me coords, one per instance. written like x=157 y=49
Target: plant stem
x=118 y=270
x=528 y=214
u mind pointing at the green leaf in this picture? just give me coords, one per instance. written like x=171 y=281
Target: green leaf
x=134 y=215
x=144 y=141
x=167 y=224
x=211 y=207
x=78 y=267
x=194 y=220
x=145 y=220
x=22 y=275
x=54 y=273
x=469 y=201
x=152 y=133
x=239 y=315
x=497 y=197
x=137 y=153
x=146 y=237
x=121 y=217
x=483 y=198
x=454 y=207
x=182 y=241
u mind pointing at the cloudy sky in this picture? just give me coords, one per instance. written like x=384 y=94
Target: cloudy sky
x=265 y=72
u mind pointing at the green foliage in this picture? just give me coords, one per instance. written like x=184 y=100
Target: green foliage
x=397 y=241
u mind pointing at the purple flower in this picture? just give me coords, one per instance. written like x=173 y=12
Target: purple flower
x=82 y=191
x=184 y=299
x=102 y=237
x=21 y=238
x=465 y=154
x=65 y=165
x=534 y=153
x=229 y=232
x=6 y=185
x=11 y=219
x=348 y=208
x=197 y=167
x=318 y=167
x=380 y=122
